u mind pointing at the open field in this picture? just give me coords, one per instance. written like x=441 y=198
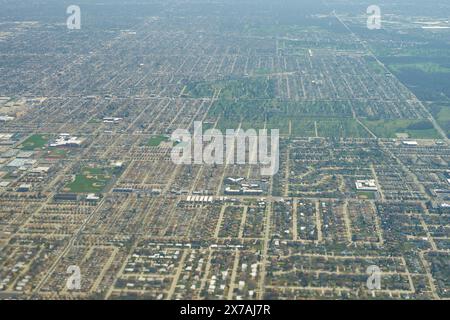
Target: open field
x=155 y=141
x=416 y=129
x=34 y=142
x=90 y=180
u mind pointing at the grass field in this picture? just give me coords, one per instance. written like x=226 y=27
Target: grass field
x=366 y=195
x=90 y=180
x=393 y=128
x=155 y=141
x=36 y=141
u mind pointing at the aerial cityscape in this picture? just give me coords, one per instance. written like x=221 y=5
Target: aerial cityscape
x=225 y=149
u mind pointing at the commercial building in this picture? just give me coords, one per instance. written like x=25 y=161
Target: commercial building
x=366 y=185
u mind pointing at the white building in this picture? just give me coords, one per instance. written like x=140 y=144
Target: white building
x=366 y=185
x=66 y=140
x=410 y=143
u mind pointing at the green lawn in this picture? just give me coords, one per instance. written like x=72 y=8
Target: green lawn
x=366 y=195
x=390 y=129
x=155 y=141
x=94 y=120
x=36 y=141
x=90 y=180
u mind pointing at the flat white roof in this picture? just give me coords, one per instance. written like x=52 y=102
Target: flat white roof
x=369 y=185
